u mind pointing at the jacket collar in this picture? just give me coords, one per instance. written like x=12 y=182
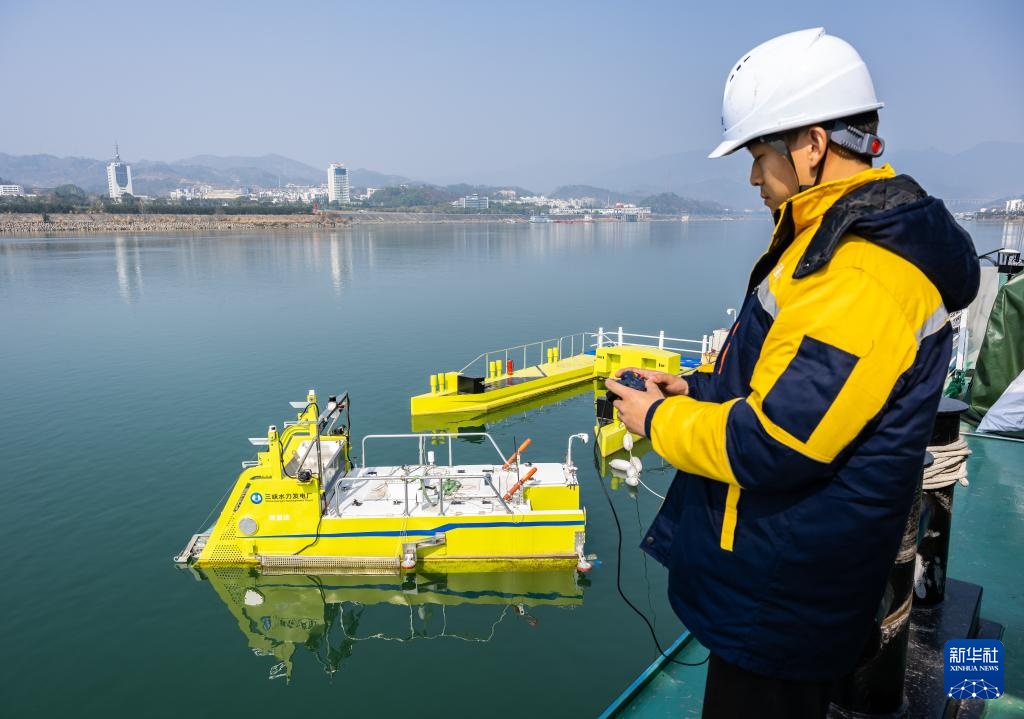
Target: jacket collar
x=806 y=209
x=809 y=206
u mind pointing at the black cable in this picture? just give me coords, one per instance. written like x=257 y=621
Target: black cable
x=647 y=576
x=618 y=564
x=315 y=538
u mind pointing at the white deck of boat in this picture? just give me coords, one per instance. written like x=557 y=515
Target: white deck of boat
x=381 y=491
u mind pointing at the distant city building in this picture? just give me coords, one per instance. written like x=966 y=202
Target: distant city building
x=621 y=211
x=1012 y=206
x=506 y=194
x=337 y=183
x=10 y=191
x=222 y=194
x=370 y=192
x=119 y=177
x=473 y=202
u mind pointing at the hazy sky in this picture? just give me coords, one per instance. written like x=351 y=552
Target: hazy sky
x=535 y=93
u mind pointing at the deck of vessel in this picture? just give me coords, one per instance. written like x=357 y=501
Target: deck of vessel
x=988 y=531
x=412 y=491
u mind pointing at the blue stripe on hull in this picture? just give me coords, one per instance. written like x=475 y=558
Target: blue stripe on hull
x=426 y=532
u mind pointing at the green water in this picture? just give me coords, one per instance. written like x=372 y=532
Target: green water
x=134 y=367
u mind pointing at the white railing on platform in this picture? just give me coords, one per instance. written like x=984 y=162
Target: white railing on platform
x=674 y=344
x=574 y=343
x=578 y=343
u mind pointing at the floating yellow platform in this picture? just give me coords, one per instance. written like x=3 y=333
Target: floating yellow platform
x=473 y=422
x=454 y=393
x=456 y=397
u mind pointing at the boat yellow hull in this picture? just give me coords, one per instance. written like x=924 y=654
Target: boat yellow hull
x=533 y=536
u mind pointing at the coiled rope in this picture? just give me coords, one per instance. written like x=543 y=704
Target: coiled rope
x=949 y=467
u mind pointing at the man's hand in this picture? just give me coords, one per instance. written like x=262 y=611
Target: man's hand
x=670 y=385
x=632 y=404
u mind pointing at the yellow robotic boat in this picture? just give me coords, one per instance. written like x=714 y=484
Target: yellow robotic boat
x=302 y=503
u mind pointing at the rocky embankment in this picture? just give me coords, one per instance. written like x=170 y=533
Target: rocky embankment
x=16 y=224
x=21 y=224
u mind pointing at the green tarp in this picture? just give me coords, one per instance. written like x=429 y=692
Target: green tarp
x=1001 y=358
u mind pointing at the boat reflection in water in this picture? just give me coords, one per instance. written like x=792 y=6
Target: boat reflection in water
x=330 y=614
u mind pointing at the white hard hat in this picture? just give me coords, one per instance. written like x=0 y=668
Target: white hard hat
x=793 y=80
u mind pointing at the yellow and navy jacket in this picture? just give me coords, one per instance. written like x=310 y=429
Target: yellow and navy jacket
x=800 y=455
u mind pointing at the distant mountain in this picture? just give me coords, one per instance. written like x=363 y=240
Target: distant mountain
x=292 y=170
x=50 y=171
x=270 y=164
x=368 y=178
x=462 y=189
x=157 y=178
x=601 y=194
x=983 y=173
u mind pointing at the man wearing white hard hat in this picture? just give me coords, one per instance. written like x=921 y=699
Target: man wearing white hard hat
x=800 y=455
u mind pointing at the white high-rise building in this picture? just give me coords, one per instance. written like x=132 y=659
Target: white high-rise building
x=119 y=177
x=337 y=183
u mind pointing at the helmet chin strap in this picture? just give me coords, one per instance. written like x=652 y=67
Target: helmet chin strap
x=782 y=147
x=778 y=144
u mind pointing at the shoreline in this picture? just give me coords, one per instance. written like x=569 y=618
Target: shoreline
x=33 y=224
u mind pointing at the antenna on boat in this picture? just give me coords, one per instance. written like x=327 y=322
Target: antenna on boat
x=516 y=458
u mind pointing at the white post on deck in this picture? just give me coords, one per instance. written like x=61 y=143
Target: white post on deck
x=620 y=336
x=600 y=336
x=661 y=340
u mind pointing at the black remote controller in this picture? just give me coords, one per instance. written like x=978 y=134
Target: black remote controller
x=630 y=379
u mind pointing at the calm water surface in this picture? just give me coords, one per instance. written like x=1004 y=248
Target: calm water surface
x=134 y=367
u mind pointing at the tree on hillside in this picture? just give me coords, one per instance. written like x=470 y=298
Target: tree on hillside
x=669 y=203
x=70 y=193
x=411 y=196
